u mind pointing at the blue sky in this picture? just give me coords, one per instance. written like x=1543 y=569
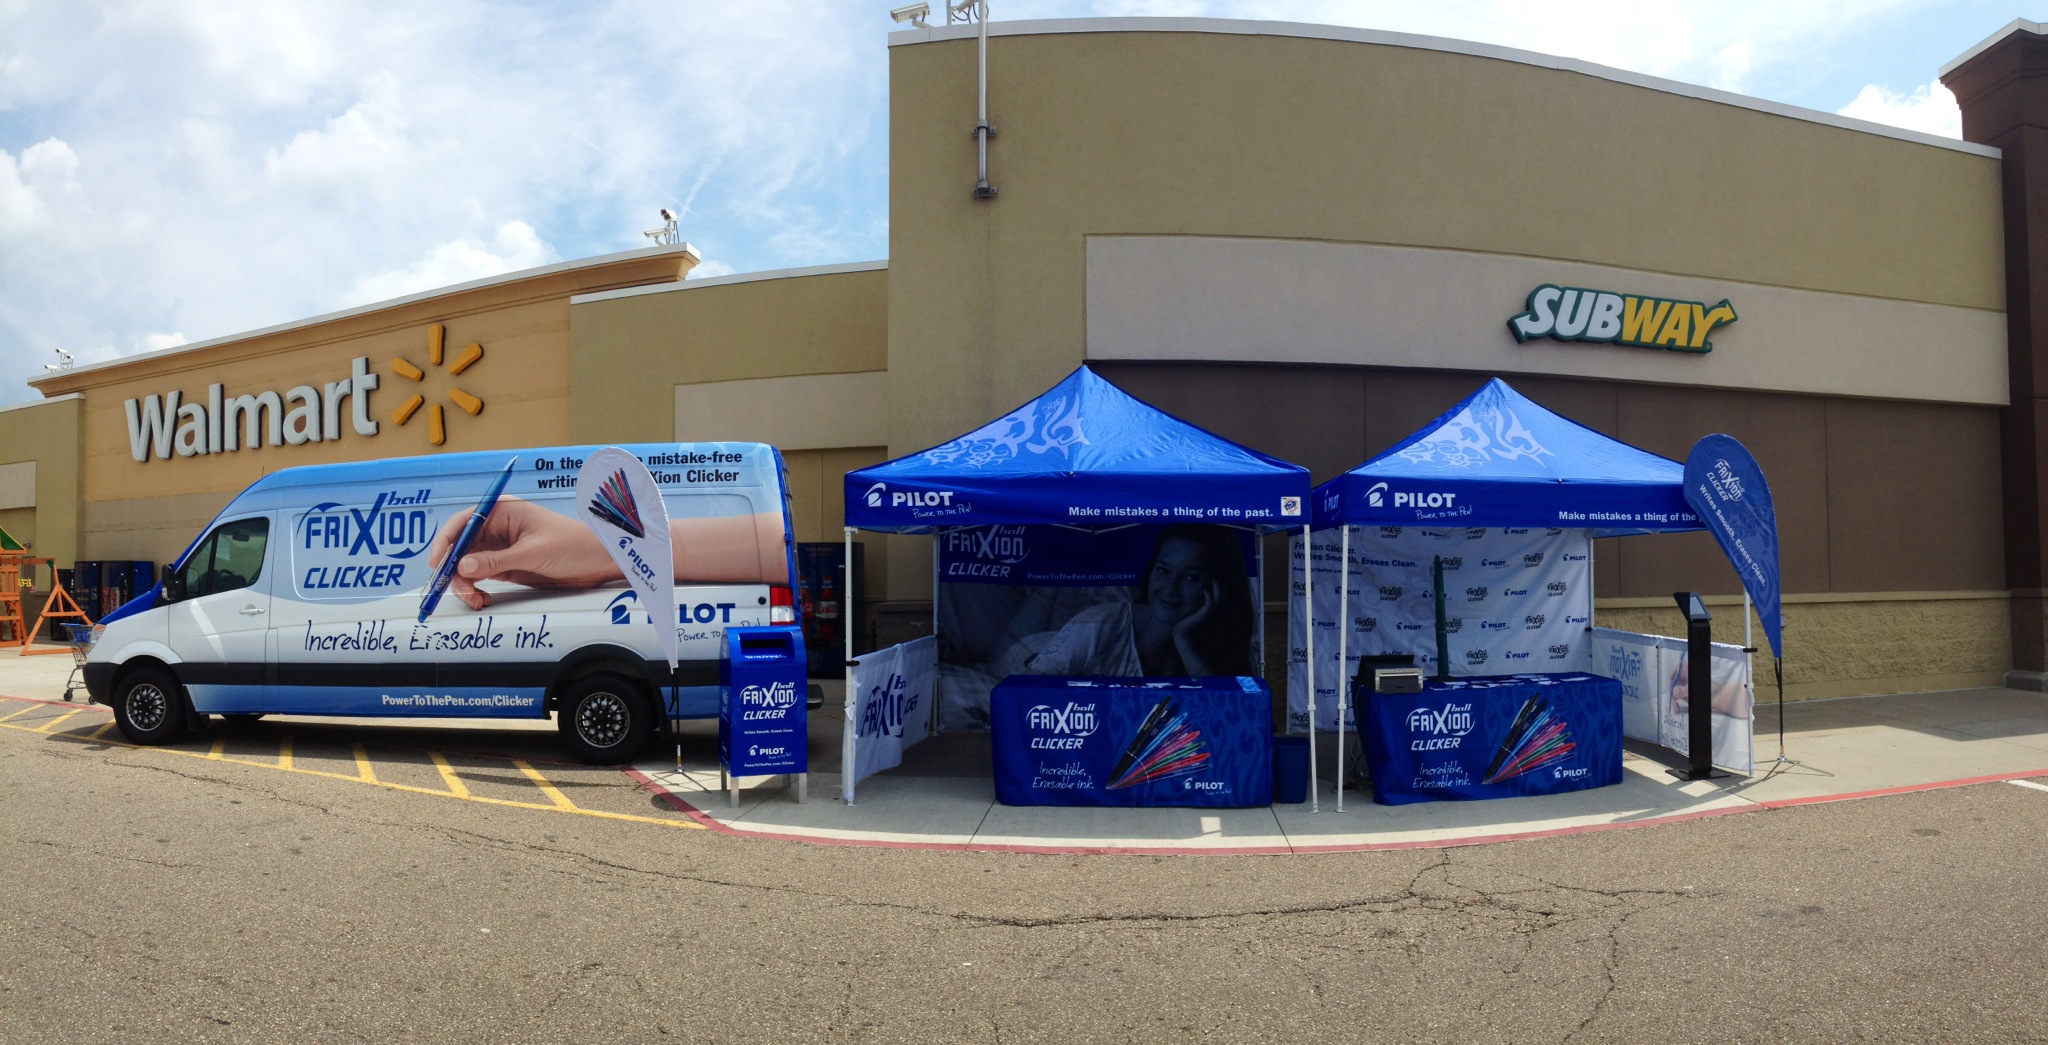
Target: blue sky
x=173 y=172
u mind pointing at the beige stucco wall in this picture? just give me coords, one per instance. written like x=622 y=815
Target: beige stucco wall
x=1247 y=132
x=643 y=357
x=633 y=349
x=48 y=434
x=1222 y=134
x=1845 y=645
x=151 y=509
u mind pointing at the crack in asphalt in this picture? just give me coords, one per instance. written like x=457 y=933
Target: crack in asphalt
x=173 y=865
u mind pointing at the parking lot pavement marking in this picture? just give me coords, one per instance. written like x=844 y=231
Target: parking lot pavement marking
x=58 y=721
x=364 y=771
x=284 y=752
x=455 y=785
x=2028 y=783
x=561 y=800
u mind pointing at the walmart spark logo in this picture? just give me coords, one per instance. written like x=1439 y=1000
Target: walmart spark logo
x=437 y=424
x=1575 y=314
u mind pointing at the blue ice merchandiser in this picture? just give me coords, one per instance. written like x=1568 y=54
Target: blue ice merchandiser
x=763 y=718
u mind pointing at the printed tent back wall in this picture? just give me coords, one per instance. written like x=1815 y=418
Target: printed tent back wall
x=1083 y=454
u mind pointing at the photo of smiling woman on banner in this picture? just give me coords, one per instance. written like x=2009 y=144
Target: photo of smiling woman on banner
x=1142 y=600
x=1190 y=614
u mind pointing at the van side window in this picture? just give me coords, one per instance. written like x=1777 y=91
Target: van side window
x=230 y=557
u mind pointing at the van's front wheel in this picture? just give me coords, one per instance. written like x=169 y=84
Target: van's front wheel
x=605 y=719
x=149 y=707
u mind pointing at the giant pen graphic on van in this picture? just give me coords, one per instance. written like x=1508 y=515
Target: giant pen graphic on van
x=459 y=584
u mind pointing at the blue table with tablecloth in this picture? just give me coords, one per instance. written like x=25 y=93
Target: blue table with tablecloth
x=1493 y=736
x=1205 y=742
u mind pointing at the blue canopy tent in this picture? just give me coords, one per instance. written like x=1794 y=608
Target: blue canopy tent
x=1497 y=459
x=1087 y=454
x=1084 y=453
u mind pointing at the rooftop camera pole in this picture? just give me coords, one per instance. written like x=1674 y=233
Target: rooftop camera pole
x=977 y=10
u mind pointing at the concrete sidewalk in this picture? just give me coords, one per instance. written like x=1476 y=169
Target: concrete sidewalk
x=943 y=796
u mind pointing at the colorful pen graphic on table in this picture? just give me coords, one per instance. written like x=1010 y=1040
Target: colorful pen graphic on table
x=494 y=560
x=1141 y=600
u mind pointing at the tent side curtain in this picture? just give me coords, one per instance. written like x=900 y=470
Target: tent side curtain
x=1085 y=453
x=1499 y=459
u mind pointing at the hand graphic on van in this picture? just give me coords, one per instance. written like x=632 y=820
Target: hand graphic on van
x=527 y=544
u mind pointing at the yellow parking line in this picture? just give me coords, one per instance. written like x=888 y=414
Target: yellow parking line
x=102 y=731
x=455 y=785
x=554 y=794
x=25 y=709
x=55 y=722
x=220 y=744
x=456 y=789
x=284 y=754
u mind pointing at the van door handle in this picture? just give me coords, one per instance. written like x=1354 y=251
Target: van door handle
x=252 y=611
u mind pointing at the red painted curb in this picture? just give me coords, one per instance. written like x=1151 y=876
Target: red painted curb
x=1787 y=803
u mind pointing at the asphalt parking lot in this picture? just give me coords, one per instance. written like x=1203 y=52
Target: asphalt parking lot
x=237 y=887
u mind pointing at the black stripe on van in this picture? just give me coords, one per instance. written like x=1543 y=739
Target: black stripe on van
x=510 y=674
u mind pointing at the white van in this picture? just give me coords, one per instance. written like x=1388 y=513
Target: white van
x=310 y=595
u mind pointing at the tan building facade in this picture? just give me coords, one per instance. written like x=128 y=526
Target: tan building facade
x=1309 y=240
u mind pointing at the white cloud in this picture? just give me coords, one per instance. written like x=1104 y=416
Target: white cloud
x=1929 y=108
x=157 y=340
x=213 y=168
x=516 y=246
x=709 y=269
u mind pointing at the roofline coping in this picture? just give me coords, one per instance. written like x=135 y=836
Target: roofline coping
x=730 y=279
x=42 y=402
x=680 y=249
x=1347 y=34
x=2015 y=26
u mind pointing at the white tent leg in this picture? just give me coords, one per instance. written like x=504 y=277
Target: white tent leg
x=1344 y=675
x=932 y=722
x=852 y=726
x=1308 y=594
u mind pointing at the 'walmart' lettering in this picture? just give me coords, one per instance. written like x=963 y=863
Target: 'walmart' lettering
x=1575 y=314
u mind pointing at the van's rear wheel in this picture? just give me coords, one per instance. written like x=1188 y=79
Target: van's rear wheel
x=150 y=707
x=605 y=719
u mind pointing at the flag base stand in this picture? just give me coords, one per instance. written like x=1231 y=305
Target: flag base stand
x=1689 y=773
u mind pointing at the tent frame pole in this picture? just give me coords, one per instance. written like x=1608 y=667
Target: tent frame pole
x=1344 y=675
x=851 y=728
x=1259 y=559
x=1308 y=595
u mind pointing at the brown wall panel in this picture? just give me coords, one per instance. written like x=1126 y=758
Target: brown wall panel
x=1788 y=435
x=1315 y=417
x=1913 y=497
x=1849 y=477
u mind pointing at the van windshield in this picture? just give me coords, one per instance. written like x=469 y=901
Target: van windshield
x=230 y=557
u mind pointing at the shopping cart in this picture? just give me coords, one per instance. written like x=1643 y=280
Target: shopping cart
x=80 y=638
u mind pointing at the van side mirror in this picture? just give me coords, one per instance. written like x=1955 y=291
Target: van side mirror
x=174 y=585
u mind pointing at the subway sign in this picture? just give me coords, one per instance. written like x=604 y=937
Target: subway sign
x=1605 y=317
